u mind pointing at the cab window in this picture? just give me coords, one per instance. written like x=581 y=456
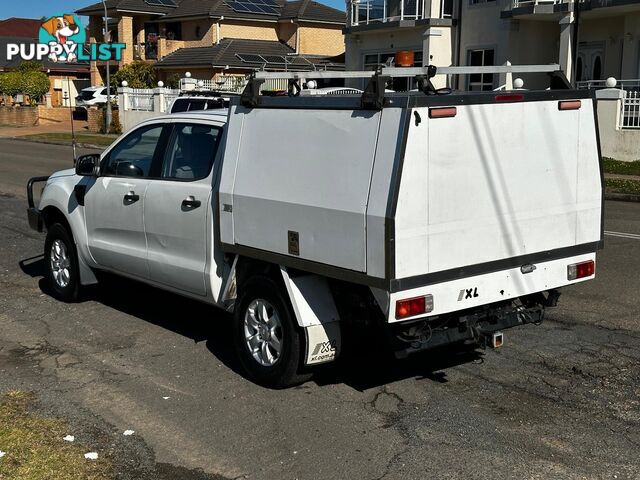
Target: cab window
x=133 y=156
x=190 y=152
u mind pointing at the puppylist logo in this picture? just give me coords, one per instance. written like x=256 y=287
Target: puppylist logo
x=63 y=39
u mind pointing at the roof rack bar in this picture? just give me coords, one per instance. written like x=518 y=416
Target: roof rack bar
x=410 y=72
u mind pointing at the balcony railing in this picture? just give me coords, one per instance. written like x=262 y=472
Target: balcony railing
x=365 y=12
x=534 y=3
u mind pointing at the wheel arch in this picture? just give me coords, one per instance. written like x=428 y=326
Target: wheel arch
x=312 y=301
x=74 y=223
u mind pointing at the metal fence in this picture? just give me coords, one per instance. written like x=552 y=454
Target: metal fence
x=169 y=97
x=631 y=110
x=140 y=100
x=630 y=105
x=633 y=84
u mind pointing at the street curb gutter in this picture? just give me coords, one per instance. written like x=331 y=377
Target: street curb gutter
x=54 y=142
x=622 y=197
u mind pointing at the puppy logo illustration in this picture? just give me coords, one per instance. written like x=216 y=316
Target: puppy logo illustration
x=62 y=31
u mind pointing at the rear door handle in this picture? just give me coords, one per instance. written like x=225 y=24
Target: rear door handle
x=190 y=202
x=131 y=197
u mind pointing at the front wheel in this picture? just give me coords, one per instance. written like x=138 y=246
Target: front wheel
x=267 y=338
x=62 y=264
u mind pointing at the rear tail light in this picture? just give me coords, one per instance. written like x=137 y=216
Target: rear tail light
x=447 y=112
x=581 y=270
x=510 y=98
x=570 y=105
x=414 y=306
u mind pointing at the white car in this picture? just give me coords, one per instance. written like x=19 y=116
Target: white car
x=436 y=219
x=94 y=96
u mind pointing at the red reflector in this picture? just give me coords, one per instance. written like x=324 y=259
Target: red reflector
x=581 y=270
x=571 y=105
x=447 y=112
x=411 y=307
x=509 y=98
x=414 y=306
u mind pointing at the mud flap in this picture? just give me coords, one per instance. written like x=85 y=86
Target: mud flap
x=317 y=315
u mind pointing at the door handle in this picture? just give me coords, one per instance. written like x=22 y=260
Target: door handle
x=191 y=202
x=131 y=197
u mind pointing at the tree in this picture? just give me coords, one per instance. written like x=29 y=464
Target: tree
x=28 y=79
x=29 y=66
x=137 y=75
x=10 y=83
x=34 y=84
x=173 y=81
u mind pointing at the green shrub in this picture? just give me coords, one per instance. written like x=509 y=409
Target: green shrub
x=137 y=75
x=10 y=83
x=173 y=81
x=34 y=84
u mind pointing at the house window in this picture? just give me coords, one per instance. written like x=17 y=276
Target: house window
x=446 y=8
x=174 y=31
x=374 y=60
x=481 y=58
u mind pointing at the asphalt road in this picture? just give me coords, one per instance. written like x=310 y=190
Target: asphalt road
x=560 y=400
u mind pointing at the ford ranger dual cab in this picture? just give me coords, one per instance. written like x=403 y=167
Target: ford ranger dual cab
x=440 y=218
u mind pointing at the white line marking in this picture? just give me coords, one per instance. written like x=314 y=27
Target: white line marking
x=631 y=236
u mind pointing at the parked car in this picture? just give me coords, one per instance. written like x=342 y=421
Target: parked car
x=92 y=96
x=436 y=219
x=199 y=102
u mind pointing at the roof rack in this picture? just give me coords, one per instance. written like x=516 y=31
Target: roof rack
x=398 y=72
x=373 y=97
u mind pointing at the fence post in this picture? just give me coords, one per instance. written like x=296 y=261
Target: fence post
x=123 y=98
x=158 y=100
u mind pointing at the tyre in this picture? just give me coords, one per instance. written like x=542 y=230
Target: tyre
x=268 y=341
x=62 y=263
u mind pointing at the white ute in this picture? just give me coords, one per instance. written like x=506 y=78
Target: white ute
x=436 y=217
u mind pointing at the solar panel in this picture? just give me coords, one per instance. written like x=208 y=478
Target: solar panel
x=260 y=7
x=250 y=58
x=161 y=3
x=278 y=59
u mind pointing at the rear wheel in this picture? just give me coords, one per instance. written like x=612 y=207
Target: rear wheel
x=268 y=341
x=62 y=264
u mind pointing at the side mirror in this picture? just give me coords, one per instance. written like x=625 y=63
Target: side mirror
x=88 y=165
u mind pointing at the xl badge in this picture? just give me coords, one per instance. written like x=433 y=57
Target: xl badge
x=466 y=294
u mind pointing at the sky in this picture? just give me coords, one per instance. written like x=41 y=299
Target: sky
x=42 y=8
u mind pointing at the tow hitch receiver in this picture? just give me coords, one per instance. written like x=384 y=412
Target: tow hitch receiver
x=483 y=327
x=496 y=340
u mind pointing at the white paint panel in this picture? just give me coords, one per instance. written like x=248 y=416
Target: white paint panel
x=493 y=287
x=387 y=151
x=496 y=181
x=588 y=219
x=306 y=171
x=412 y=214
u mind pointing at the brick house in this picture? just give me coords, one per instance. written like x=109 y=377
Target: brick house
x=188 y=35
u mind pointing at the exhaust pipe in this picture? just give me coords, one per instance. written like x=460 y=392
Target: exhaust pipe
x=496 y=340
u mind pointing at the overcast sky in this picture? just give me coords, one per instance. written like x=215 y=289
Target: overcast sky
x=45 y=8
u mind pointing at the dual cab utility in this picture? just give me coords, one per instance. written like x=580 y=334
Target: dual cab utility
x=438 y=218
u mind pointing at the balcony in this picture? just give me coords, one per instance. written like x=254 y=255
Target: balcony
x=378 y=12
x=535 y=3
x=539 y=8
